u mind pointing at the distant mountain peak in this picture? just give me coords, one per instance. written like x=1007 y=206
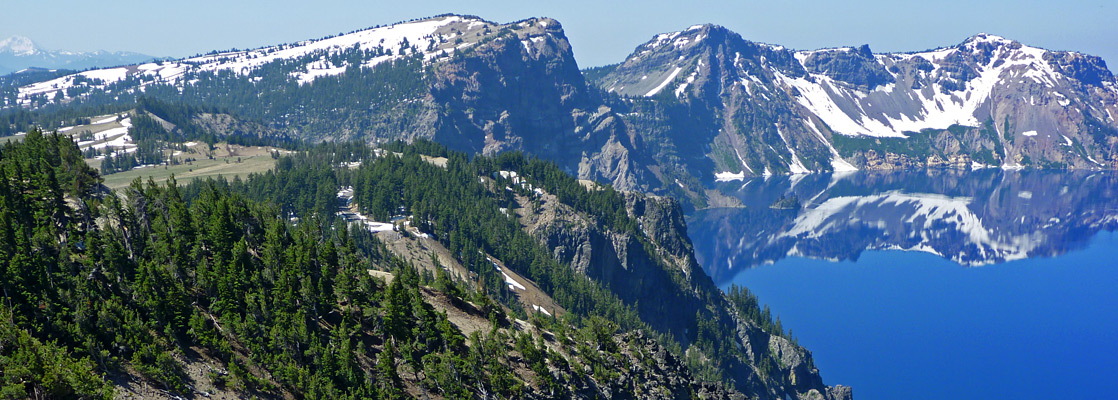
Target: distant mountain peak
x=18 y=45
x=988 y=38
x=20 y=52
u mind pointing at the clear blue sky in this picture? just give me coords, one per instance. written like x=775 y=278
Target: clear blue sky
x=601 y=32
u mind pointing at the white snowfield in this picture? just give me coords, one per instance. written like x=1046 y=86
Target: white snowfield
x=120 y=139
x=541 y=309
x=664 y=84
x=894 y=109
x=847 y=109
x=441 y=30
x=1010 y=61
x=111 y=141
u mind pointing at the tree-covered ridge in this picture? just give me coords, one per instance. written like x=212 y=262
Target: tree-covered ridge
x=148 y=281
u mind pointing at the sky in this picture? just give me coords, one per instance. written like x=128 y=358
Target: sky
x=601 y=32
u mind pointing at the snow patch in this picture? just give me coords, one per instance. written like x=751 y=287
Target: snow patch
x=683 y=86
x=938 y=110
x=927 y=215
x=796 y=166
x=743 y=163
x=838 y=164
x=512 y=283
x=663 y=84
x=541 y=309
x=104 y=120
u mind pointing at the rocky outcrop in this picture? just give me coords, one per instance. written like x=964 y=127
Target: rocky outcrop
x=652 y=372
x=857 y=66
x=654 y=271
x=521 y=90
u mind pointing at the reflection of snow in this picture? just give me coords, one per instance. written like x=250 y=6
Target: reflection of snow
x=729 y=176
x=925 y=216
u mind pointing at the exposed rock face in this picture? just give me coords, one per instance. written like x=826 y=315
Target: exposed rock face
x=621 y=262
x=858 y=67
x=661 y=257
x=497 y=92
x=723 y=110
x=522 y=90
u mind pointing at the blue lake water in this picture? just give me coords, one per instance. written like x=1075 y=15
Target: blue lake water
x=1002 y=294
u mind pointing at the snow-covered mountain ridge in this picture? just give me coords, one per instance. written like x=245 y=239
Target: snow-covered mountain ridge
x=989 y=101
x=474 y=85
x=435 y=37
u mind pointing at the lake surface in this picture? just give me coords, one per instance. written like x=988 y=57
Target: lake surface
x=933 y=285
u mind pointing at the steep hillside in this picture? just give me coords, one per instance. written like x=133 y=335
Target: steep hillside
x=199 y=291
x=541 y=242
x=284 y=285
x=725 y=331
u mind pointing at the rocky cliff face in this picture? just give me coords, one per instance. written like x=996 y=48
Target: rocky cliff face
x=755 y=109
x=656 y=272
x=522 y=90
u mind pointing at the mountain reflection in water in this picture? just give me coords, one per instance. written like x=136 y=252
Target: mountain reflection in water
x=970 y=217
